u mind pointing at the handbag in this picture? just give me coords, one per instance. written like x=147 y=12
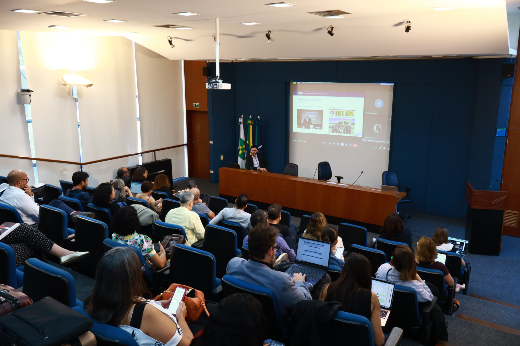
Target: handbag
x=169 y=241
x=194 y=305
x=11 y=300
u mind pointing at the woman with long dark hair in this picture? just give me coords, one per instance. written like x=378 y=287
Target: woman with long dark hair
x=118 y=299
x=103 y=197
x=353 y=290
x=393 y=229
x=316 y=224
x=237 y=321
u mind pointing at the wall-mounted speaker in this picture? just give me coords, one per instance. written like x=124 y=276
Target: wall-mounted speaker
x=508 y=70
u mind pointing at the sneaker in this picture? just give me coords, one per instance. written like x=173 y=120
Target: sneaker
x=73 y=257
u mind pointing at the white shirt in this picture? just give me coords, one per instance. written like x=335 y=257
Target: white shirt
x=255 y=161
x=445 y=247
x=388 y=273
x=233 y=215
x=23 y=203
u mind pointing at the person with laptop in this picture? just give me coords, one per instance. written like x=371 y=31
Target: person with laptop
x=394 y=230
x=441 y=240
x=258 y=270
x=353 y=290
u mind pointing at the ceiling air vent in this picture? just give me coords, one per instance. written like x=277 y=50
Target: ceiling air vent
x=330 y=13
x=63 y=14
x=168 y=26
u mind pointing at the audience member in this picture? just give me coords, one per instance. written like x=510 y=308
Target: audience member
x=19 y=196
x=259 y=217
x=185 y=217
x=258 y=270
x=125 y=225
x=402 y=270
x=353 y=290
x=117 y=300
x=140 y=174
x=316 y=224
x=440 y=237
x=104 y=196
x=162 y=183
x=200 y=207
x=28 y=242
x=237 y=321
x=79 y=184
x=124 y=174
x=274 y=213
x=330 y=235
x=393 y=229
x=236 y=214
x=426 y=255
x=146 y=195
x=124 y=191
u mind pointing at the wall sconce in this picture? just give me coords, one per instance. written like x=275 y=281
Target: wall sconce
x=76 y=81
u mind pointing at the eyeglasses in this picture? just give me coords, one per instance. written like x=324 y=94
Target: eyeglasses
x=25 y=179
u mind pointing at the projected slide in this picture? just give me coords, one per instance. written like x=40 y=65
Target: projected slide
x=347 y=125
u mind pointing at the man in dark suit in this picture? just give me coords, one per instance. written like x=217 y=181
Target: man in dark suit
x=256 y=160
x=306 y=122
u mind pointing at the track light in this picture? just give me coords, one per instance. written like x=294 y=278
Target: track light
x=330 y=30
x=407 y=25
x=268 y=35
x=170 y=41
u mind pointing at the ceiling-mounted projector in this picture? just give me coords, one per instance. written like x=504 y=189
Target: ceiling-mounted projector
x=215 y=83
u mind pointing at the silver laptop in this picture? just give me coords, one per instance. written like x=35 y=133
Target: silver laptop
x=459 y=245
x=441 y=258
x=312 y=260
x=385 y=292
x=387 y=188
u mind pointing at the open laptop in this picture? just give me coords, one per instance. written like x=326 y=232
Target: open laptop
x=385 y=292
x=387 y=188
x=459 y=245
x=312 y=260
x=441 y=258
x=135 y=187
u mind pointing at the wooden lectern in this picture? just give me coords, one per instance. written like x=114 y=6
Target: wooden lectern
x=484 y=220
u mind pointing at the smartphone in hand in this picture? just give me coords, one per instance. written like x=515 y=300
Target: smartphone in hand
x=178 y=297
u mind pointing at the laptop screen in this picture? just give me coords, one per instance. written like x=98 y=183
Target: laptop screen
x=384 y=291
x=441 y=258
x=313 y=251
x=458 y=244
x=135 y=187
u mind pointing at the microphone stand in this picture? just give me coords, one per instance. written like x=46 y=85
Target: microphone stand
x=315 y=172
x=357 y=178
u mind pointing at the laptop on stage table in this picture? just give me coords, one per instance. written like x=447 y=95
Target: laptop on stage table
x=312 y=260
x=385 y=292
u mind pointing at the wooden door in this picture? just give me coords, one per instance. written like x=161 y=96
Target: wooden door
x=198 y=144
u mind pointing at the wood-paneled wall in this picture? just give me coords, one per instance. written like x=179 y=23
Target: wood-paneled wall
x=195 y=85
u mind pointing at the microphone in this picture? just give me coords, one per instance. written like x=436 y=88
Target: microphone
x=493 y=183
x=357 y=178
x=315 y=172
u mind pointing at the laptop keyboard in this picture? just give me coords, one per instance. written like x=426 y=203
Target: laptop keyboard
x=384 y=313
x=314 y=275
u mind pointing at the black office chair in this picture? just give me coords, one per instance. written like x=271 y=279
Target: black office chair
x=325 y=172
x=251 y=208
x=389 y=178
x=50 y=193
x=3 y=180
x=167 y=205
x=446 y=294
x=90 y=235
x=72 y=203
x=388 y=246
x=375 y=257
x=291 y=169
x=162 y=229
x=352 y=234
x=65 y=186
x=234 y=165
x=222 y=243
x=286 y=218
x=9 y=214
x=216 y=204
x=159 y=194
x=237 y=228
x=133 y=200
x=456 y=269
x=53 y=223
x=304 y=222
x=102 y=214
x=204 y=219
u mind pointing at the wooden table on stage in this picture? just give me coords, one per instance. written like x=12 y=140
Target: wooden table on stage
x=340 y=200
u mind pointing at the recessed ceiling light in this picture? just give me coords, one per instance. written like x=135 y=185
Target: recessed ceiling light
x=251 y=23
x=114 y=20
x=101 y=1
x=25 y=11
x=280 y=4
x=58 y=27
x=334 y=17
x=187 y=14
x=183 y=28
x=445 y=8
x=63 y=14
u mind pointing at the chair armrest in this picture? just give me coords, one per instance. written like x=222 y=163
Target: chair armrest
x=451 y=295
x=427 y=310
x=217 y=294
x=372 y=244
x=408 y=189
x=395 y=337
x=217 y=290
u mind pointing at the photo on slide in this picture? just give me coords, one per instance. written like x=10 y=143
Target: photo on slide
x=342 y=122
x=310 y=119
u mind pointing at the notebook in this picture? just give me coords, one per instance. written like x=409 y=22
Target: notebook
x=385 y=292
x=312 y=260
x=459 y=245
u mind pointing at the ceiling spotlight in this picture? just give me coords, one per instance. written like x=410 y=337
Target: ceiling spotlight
x=170 y=41
x=280 y=4
x=58 y=27
x=407 y=25
x=114 y=20
x=268 y=35
x=330 y=30
x=187 y=14
x=25 y=11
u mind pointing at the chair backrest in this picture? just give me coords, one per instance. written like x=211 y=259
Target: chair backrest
x=107 y=335
x=162 y=229
x=334 y=272
x=90 y=190
x=235 y=226
x=42 y=280
x=8 y=266
x=266 y=297
x=50 y=193
x=90 y=235
x=102 y=214
x=3 y=180
x=159 y=194
x=324 y=171
x=251 y=208
x=234 y=165
x=352 y=234
x=132 y=200
x=53 y=223
x=291 y=169
x=304 y=222
x=74 y=203
x=204 y=219
x=109 y=244
x=65 y=186
x=9 y=214
x=222 y=243
x=389 y=178
x=405 y=309
x=216 y=204
x=346 y=326
x=167 y=205
x=193 y=267
x=453 y=263
x=180 y=183
x=388 y=246
x=245 y=252
x=436 y=278
x=374 y=256
x=286 y=218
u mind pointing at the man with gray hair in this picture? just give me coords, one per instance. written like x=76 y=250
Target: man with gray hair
x=189 y=220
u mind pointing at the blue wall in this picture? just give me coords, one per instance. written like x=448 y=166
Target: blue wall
x=444 y=119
